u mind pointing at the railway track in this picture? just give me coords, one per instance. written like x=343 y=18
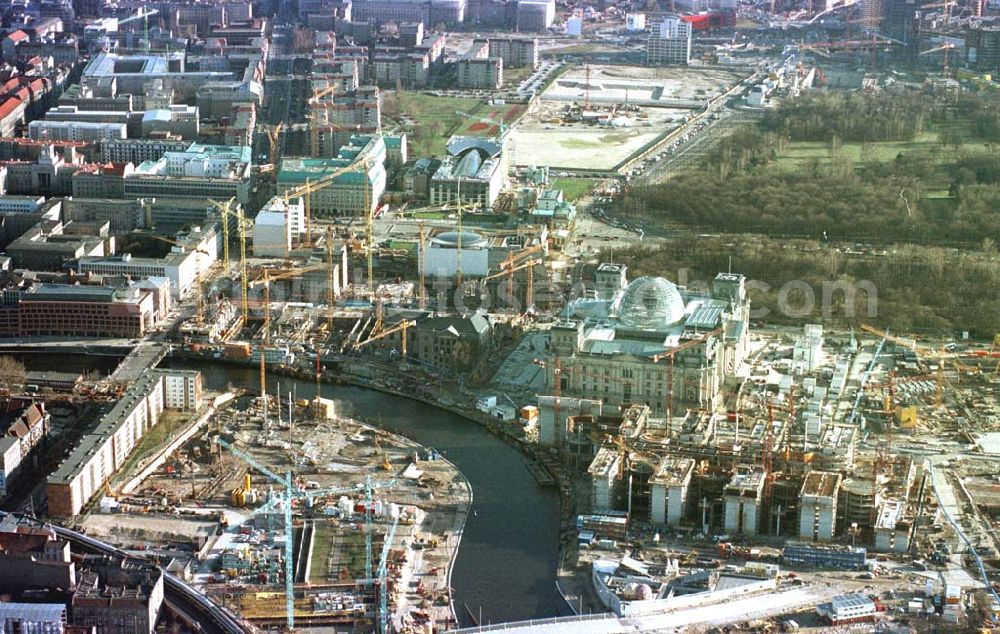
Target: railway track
x=198 y=611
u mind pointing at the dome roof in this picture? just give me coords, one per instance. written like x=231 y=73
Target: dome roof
x=450 y=239
x=650 y=303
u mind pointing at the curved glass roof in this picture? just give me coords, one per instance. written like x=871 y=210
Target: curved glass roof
x=649 y=303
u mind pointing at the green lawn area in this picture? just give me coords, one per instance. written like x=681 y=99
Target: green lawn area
x=153 y=441
x=573 y=188
x=322 y=544
x=799 y=154
x=430 y=120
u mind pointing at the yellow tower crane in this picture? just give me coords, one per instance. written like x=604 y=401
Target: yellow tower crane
x=199 y=308
x=266 y=332
x=243 y=224
x=362 y=164
x=401 y=327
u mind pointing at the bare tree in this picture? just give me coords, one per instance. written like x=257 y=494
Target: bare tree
x=12 y=372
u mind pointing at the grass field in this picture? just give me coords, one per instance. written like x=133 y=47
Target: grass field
x=573 y=188
x=169 y=422
x=429 y=120
x=800 y=154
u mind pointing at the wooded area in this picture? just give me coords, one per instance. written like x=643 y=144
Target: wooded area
x=945 y=191
x=918 y=289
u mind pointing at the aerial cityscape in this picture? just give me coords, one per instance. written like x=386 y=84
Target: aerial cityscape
x=414 y=316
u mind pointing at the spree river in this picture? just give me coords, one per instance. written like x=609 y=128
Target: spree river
x=507 y=560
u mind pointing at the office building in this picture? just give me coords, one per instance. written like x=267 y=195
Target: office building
x=818 y=506
x=277 y=226
x=669 y=42
x=742 y=499
x=356 y=191
x=182 y=265
x=75 y=131
x=218 y=172
x=473 y=172
x=982 y=48
x=480 y=73
x=825 y=555
x=69 y=310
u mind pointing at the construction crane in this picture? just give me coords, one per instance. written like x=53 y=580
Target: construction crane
x=361 y=164
x=291 y=492
x=401 y=327
x=273 y=136
x=947 y=46
x=242 y=225
x=199 y=300
x=669 y=355
x=941 y=356
x=382 y=574
x=529 y=298
x=266 y=282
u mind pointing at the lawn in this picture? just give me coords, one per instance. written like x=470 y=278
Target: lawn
x=322 y=544
x=169 y=423
x=573 y=188
x=430 y=120
x=799 y=154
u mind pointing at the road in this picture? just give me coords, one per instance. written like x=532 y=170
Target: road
x=739 y=610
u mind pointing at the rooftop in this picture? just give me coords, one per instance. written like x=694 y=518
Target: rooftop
x=672 y=471
x=821 y=484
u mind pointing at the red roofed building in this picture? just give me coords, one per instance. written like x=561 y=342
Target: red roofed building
x=11 y=115
x=26 y=423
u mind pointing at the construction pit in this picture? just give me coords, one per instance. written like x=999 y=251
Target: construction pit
x=595 y=117
x=215 y=512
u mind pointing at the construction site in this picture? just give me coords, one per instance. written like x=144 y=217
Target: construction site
x=618 y=110
x=293 y=516
x=818 y=451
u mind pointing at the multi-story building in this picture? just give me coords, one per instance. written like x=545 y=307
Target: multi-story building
x=411 y=70
x=330 y=117
x=478 y=73
x=669 y=42
x=818 y=506
x=40 y=618
x=27 y=424
x=428 y=12
x=218 y=172
x=33 y=557
x=356 y=191
x=535 y=15
x=137 y=151
x=516 y=52
x=122 y=216
x=473 y=172
x=618 y=334
x=75 y=131
x=276 y=226
x=20 y=204
x=69 y=310
x=743 y=498
x=99 y=455
x=177 y=119
x=982 y=48
x=124 y=599
x=669 y=486
x=50 y=244
x=181 y=266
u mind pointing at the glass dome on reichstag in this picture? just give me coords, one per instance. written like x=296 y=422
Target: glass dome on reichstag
x=650 y=303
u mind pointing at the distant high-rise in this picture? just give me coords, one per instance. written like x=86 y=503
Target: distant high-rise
x=669 y=42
